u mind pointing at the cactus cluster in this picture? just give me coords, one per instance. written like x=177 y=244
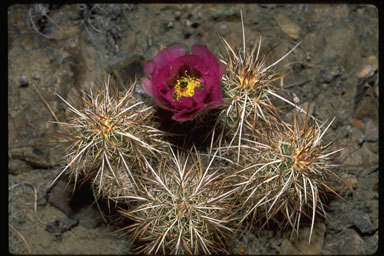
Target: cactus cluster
x=188 y=200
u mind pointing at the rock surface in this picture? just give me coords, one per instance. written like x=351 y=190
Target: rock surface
x=63 y=48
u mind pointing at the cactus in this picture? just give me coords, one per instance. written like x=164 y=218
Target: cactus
x=287 y=170
x=258 y=168
x=108 y=136
x=184 y=207
x=247 y=87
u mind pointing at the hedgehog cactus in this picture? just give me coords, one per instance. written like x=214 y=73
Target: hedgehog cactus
x=287 y=169
x=184 y=207
x=109 y=136
x=247 y=87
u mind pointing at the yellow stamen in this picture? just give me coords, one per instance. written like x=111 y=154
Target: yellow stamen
x=106 y=127
x=248 y=80
x=185 y=86
x=299 y=159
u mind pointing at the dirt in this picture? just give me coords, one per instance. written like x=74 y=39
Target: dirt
x=61 y=49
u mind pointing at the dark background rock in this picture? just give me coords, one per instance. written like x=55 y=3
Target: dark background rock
x=347 y=242
x=57 y=227
x=72 y=46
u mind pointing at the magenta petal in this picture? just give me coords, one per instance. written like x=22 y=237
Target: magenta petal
x=168 y=72
x=165 y=100
x=168 y=55
x=221 y=70
x=184 y=115
x=185 y=102
x=202 y=51
x=200 y=95
x=203 y=69
x=147 y=86
x=214 y=104
x=148 y=67
x=215 y=94
x=210 y=59
x=191 y=60
x=214 y=91
x=163 y=104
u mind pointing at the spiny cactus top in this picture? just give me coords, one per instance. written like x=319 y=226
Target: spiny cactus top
x=184 y=83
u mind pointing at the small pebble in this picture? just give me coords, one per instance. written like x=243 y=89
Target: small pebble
x=23 y=80
x=308 y=56
x=36 y=76
x=188 y=23
x=139 y=88
x=223 y=26
x=170 y=24
x=177 y=15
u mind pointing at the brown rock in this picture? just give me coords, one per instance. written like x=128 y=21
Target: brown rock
x=366 y=109
x=325 y=13
x=357 y=124
x=300 y=245
x=65 y=32
x=307 y=107
x=371 y=132
x=338 y=43
x=351 y=182
x=288 y=25
x=32 y=156
x=342 y=46
x=373 y=146
x=16 y=166
x=60 y=196
x=368 y=66
x=359 y=159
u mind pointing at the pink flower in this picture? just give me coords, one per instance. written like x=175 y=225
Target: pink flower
x=184 y=83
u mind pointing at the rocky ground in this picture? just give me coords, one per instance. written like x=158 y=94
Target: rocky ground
x=60 y=49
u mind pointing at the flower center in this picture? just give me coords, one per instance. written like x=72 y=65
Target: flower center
x=185 y=86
